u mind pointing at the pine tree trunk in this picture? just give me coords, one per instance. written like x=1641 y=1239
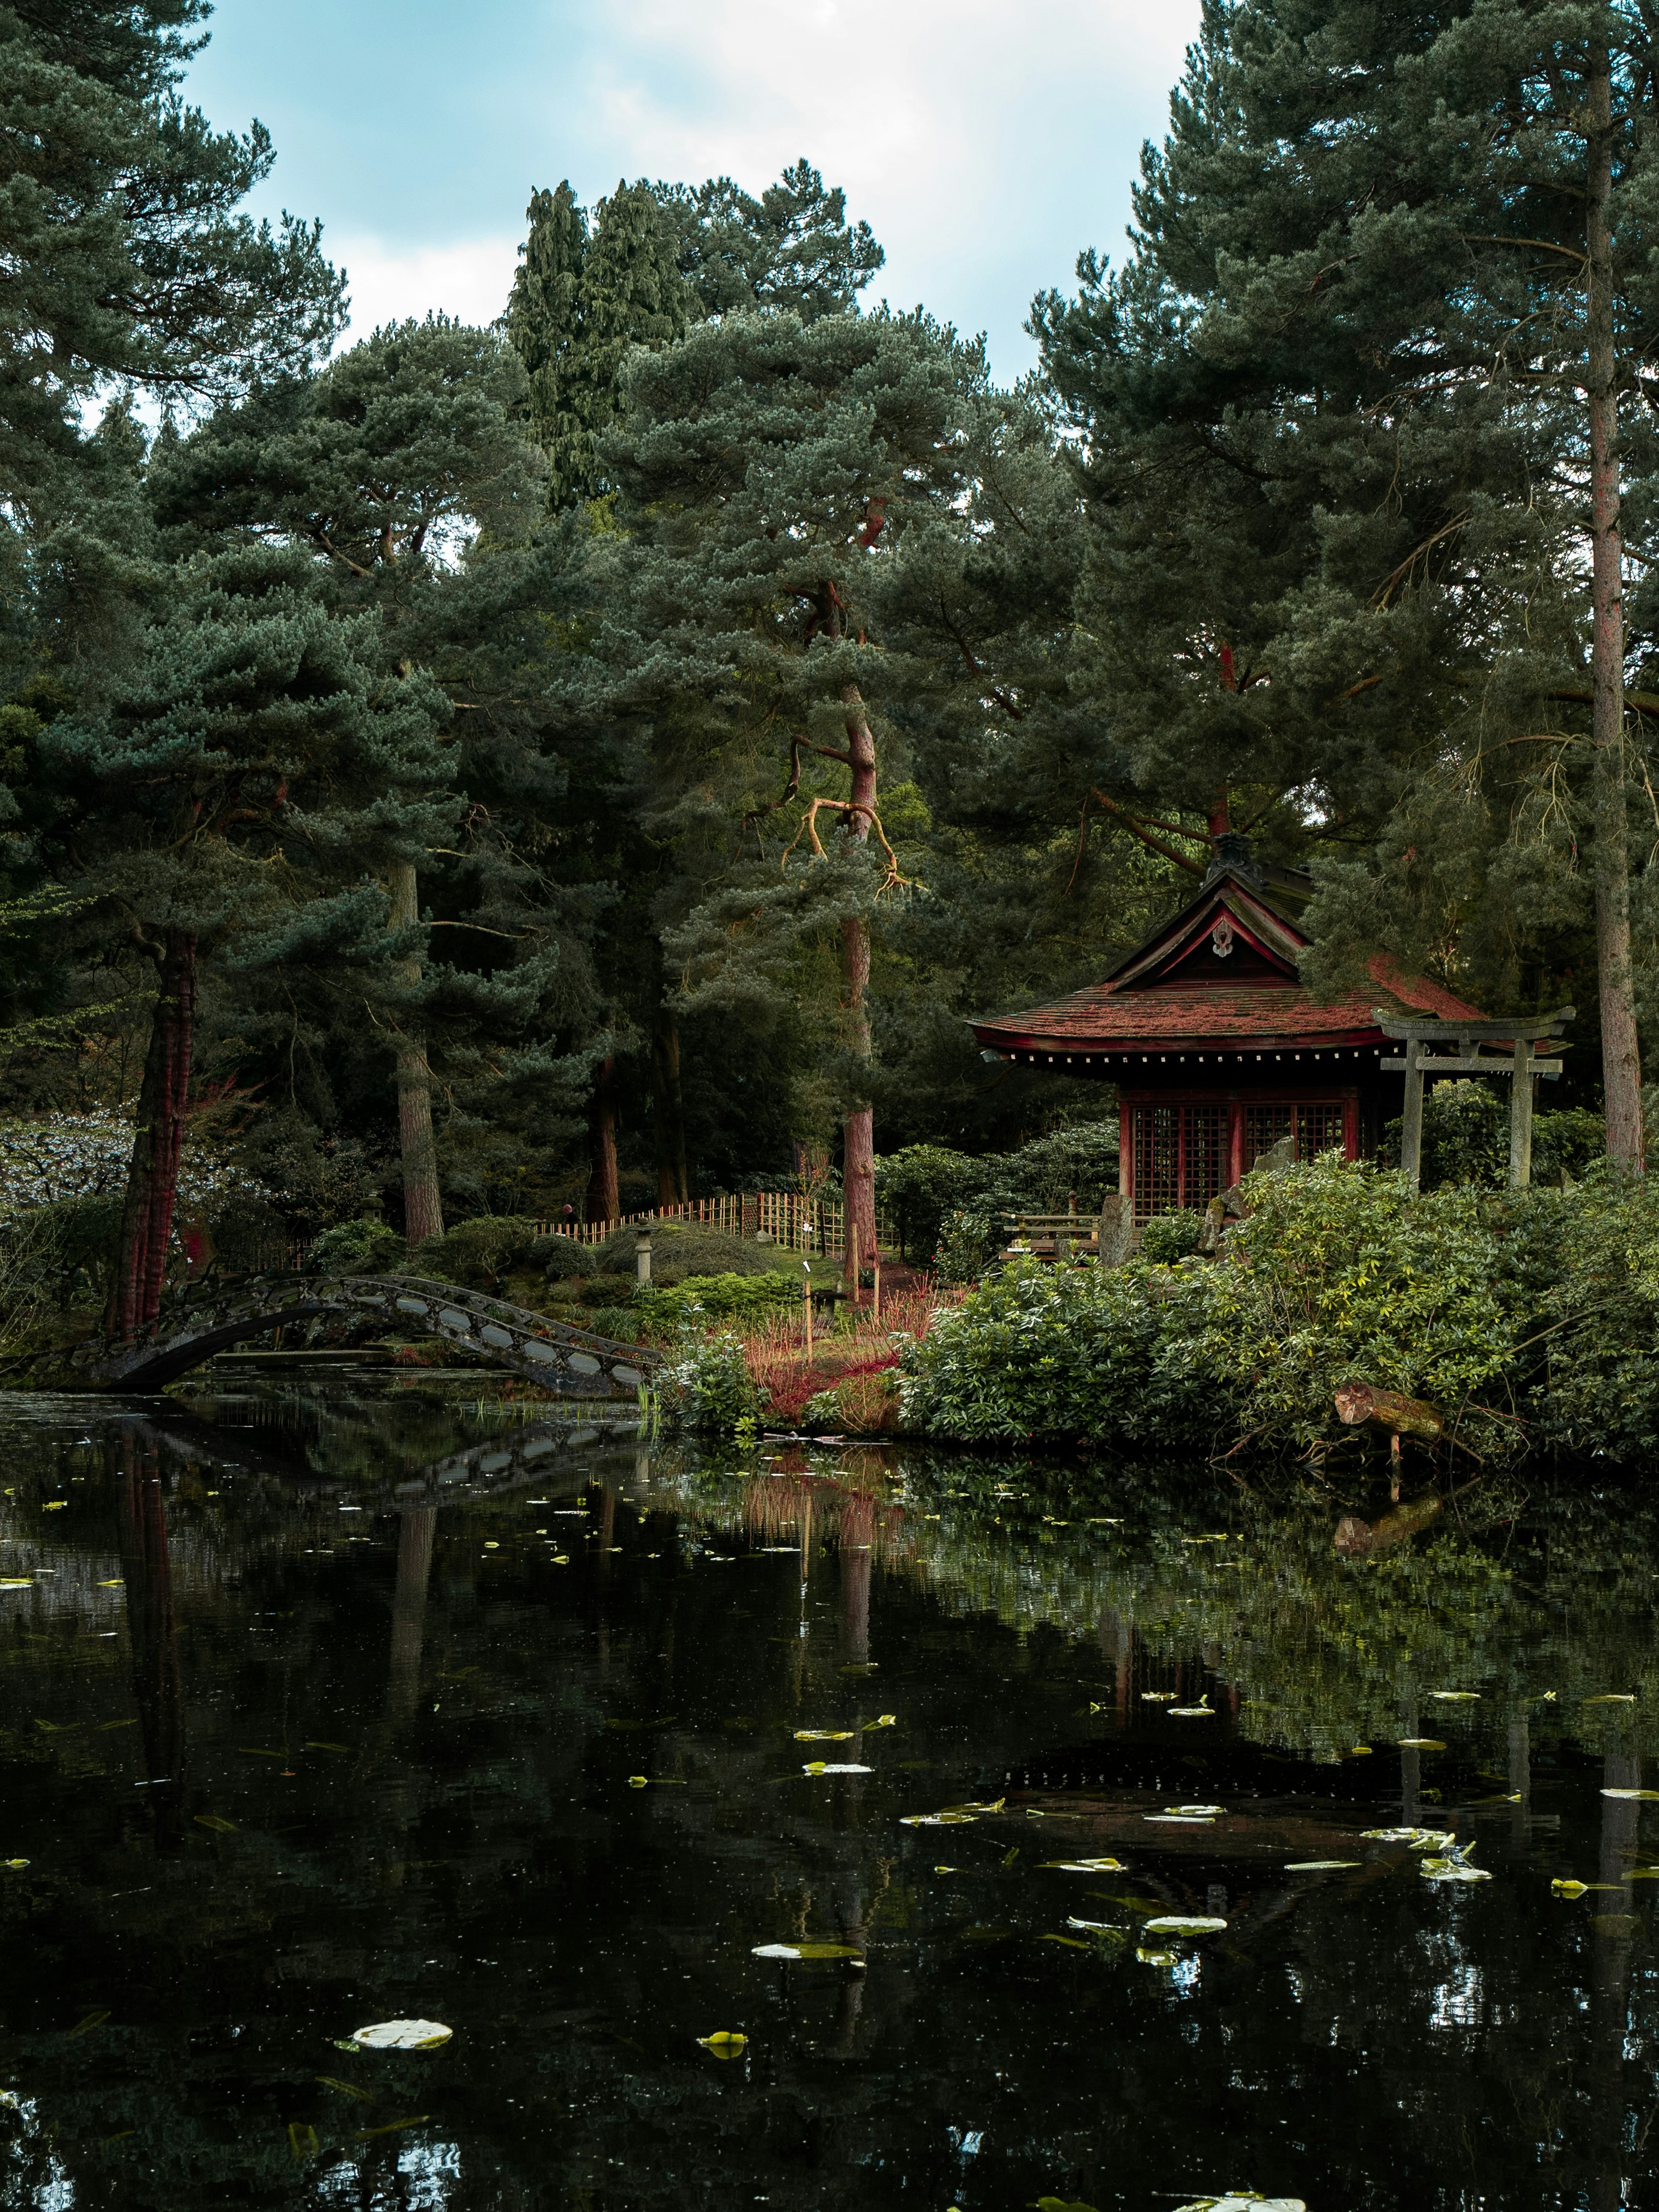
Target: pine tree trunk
x=152 y=1190
x=667 y=1108
x=423 y=1205
x=1621 y=1060
x=858 y=1128
x=604 y=1203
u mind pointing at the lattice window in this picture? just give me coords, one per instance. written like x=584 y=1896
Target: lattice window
x=1264 y=1126
x=1156 y=1138
x=1181 y=1157
x=1319 y=1129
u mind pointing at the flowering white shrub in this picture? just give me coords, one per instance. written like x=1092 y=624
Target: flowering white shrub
x=52 y=1157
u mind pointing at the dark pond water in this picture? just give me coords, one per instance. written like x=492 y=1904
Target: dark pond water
x=332 y=1706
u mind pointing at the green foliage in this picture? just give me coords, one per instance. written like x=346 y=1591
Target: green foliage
x=1528 y=1317
x=716 y=1297
x=708 y=1387
x=365 y=1247
x=793 y=248
x=933 y=1192
x=1168 y=1237
x=687 y=1248
x=1465 y=1137
x=479 y=1253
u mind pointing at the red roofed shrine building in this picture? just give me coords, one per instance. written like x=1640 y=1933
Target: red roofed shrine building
x=1216 y=1049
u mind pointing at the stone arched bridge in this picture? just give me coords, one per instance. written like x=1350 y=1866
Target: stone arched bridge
x=563 y=1360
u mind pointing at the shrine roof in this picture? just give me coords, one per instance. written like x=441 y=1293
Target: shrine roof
x=1218 y=975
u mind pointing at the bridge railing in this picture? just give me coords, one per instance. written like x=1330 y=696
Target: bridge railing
x=783 y=1217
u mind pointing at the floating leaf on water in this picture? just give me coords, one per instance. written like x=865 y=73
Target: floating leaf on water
x=725 y=2043
x=995 y=1805
x=836 y=1766
x=104 y=1727
x=1071 y=1942
x=302 y=2140
x=942 y=1869
x=54 y=1506
x=936 y=1820
x=803 y=1951
x=1175 y=1924
x=1244 y=2200
x=1085 y=1865
x=1159 y=1697
x=825 y=1735
x=1180 y=1820
x=16 y=1582
x=1421 y=1743
x=1439 y=1869
x=346 y=2088
x=1320 y=1865
x=1191 y=1712
x=1096 y=1927
x=1360 y=1751
x=402 y=2035
x=884 y=1720
x=248 y=1750
x=56 y=1727
x=1647 y=1794
x=313 y=1744
x=1008 y=1857
x=17 y=1865
x=1611 y=1697
x=390 y=2127
x=1420 y=1838
x=1054 y=2204
x=115 y=1581
x=220 y=1826
x=1157 y=1957
x=639 y=1781
x=1196 y=1812
x=85 y=2027
x=1456 y=1697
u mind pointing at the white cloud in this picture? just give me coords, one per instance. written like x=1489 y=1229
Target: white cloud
x=386 y=284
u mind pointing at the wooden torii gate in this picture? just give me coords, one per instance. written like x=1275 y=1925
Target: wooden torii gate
x=1518 y=1065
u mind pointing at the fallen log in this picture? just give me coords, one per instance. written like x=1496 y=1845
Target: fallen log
x=1357 y=1539
x=1391 y=1410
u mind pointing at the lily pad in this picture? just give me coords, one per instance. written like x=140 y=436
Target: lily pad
x=1421 y=1743
x=1439 y=1869
x=1611 y=1697
x=1084 y=1865
x=1320 y=1865
x=806 y=1951
x=1197 y=1812
x=1645 y=1794
x=825 y=1735
x=1456 y=1697
x=1419 y=1839
x=724 y=2044
x=402 y=2035
x=836 y=1766
x=936 y=1820
x=1177 y=1923
x=1191 y=1712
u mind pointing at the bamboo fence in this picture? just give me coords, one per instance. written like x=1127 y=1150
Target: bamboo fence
x=783 y=1217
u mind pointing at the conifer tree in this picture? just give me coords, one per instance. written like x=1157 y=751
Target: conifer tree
x=579 y=300
x=236 y=796
x=126 y=260
x=770 y=470
x=1350 y=414
x=791 y=248
x=403 y=473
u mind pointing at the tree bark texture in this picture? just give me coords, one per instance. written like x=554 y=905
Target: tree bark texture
x=423 y=1205
x=152 y=1176
x=858 y=1129
x=667 y=1108
x=604 y=1201
x=1621 y=1061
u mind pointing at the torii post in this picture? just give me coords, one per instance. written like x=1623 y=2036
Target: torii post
x=1518 y=1064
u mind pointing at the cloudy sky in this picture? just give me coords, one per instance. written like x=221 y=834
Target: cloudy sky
x=986 y=142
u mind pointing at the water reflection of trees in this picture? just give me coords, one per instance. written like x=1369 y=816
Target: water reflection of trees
x=487 y=1860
